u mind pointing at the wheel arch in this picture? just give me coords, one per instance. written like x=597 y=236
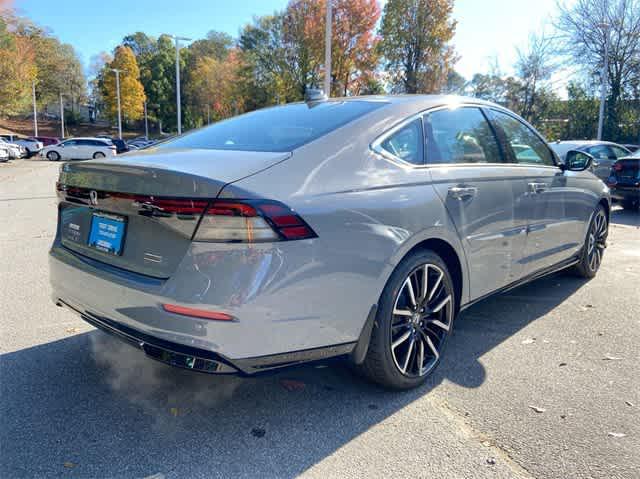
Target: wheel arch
x=451 y=258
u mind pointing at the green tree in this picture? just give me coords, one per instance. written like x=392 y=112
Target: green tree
x=415 y=43
x=583 y=27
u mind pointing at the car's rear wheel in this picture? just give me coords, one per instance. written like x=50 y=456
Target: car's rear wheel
x=594 y=245
x=97 y=155
x=413 y=322
x=53 y=156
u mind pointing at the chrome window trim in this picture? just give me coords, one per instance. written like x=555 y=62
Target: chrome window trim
x=376 y=145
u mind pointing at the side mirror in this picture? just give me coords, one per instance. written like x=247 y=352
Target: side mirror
x=576 y=160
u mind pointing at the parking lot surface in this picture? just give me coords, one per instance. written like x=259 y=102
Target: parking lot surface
x=543 y=381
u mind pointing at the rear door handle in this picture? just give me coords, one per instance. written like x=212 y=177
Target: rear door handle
x=462 y=192
x=537 y=187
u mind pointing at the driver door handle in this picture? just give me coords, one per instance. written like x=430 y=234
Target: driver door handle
x=537 y=187
x=462 y=192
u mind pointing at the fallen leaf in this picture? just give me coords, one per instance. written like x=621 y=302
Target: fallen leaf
x=562 y=365
x=529 y=341
x=372 y=406
x=258 y=432
x=72 y=330
x=292 y=385
x=611 y=358
x=563 y=416
x=629 y=403
x=537 y=409
x=69 y=465
x=617 y=434
x=174 y=411
x=491 y=461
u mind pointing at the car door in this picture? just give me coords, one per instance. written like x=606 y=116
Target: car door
x=480 y=192
x=68 y=150
x=555 y=207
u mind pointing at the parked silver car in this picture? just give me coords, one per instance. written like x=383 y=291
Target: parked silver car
x=605 y=153
x=356 y=227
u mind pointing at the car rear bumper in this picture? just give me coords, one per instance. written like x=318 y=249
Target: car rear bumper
x=625 y=193
x=288 y=307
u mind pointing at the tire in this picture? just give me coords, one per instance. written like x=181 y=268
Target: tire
x=594 y=245
x=98 y=154
x=398 y=363
x=53 y=156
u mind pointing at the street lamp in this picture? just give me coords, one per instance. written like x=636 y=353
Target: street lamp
x=327 y=51
x=35 y=110
x=117 y=72
x=179 y=113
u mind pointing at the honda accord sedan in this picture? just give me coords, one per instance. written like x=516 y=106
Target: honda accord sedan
x=354 y=227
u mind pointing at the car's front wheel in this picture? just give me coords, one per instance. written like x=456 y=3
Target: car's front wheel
x=413 y=322
x=98 y=154
x=53 y=156
x=594 y=245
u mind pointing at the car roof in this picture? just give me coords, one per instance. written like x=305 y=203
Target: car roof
x=85 y=138
x=585 y=142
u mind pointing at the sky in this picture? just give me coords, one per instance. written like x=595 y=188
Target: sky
x=486 y=30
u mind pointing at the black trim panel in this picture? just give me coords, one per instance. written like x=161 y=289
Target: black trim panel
x=527 y=279
x=201 y=360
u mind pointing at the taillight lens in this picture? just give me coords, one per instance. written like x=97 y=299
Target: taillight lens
x=250 y=221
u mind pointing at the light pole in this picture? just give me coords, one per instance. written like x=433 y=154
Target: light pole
x=327 y=51
x=117 y=72
x=61 y=118
x=603 y=79
x=146 y=124
x=35 y=110
x=178 y=111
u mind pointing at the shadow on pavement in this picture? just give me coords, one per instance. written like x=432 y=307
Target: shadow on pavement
x=107 y=411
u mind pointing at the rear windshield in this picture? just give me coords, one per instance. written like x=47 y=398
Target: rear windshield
x=281 y=128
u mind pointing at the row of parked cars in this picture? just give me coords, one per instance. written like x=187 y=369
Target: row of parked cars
x=14 y=146
x=86 y=148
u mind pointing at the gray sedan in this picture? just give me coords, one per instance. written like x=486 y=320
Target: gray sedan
x=354 y=227
x=605 y=153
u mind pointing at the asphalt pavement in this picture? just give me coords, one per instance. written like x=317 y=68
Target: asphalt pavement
x=543 y=381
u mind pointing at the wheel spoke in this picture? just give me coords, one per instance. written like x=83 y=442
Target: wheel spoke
x=401 y=340
x=420 y=357
x=441 y=304
x=435 y=287
x=425 y=281
x=401 y=324
x=409 y=351
x=439 y=323
x=412 y=295
x=433 y=349
x=402 y=312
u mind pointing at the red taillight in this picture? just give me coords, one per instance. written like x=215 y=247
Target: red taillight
x=251 y=221
x=197 y=313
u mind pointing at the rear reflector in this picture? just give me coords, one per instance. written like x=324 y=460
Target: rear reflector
x=197 y=313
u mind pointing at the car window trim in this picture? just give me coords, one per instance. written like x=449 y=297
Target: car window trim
x=375 y=145
x=554 y=157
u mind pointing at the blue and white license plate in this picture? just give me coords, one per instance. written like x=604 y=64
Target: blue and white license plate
x=107 y=233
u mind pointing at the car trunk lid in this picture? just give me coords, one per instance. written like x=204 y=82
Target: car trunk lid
x=139 y=212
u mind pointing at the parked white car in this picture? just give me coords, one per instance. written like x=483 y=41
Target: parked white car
x=15 y=151
x=79 y=149
x=33 y=147
x=4 y=154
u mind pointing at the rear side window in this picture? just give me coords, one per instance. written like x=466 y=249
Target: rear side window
x=406 y=143
x=526 y=146
x=462 y=135
x=281 y=128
